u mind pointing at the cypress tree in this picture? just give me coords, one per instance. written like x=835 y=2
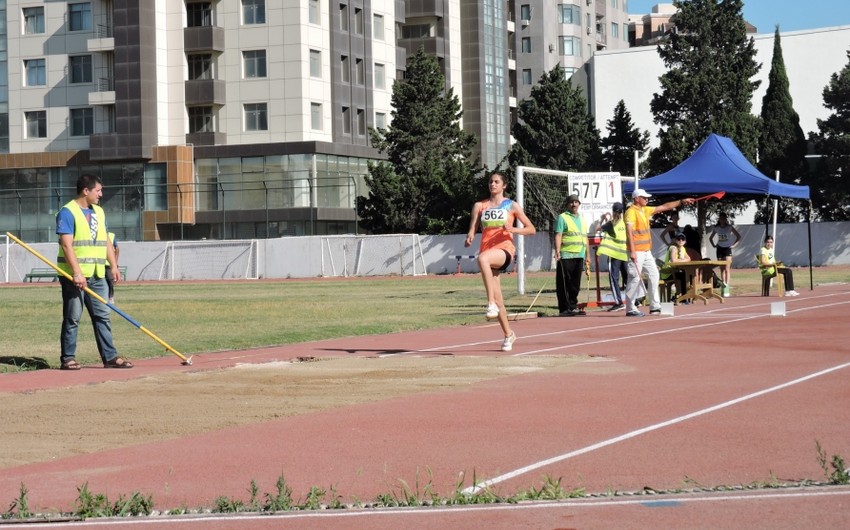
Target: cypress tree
x=782 y=144
x=618 y=148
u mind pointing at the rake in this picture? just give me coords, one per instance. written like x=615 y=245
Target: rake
x=187 y=361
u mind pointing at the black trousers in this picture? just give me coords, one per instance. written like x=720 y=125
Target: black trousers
x=568 y=282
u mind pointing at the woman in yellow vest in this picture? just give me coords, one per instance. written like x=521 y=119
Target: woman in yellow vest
x=676 y=253
x=83 y=253
x=613 y=245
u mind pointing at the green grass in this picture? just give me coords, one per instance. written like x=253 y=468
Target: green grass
x=218 y=316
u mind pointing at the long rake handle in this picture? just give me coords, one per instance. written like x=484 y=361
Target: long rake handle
x=34 y=252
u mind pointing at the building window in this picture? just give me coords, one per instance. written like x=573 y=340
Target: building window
x=358 y=21
x=568 y=72
x=361 y=122
x=82 y=122
x=36 y=123
x=416 y=31
x=380 y=77
x=254 y=62
x=314 y=12
x=378 y=27
x=79 y=17
x=526 y=76
x=33 y=20
x=615 y=30
x=201 y=120
x=587 y=19
x=315 y=63
x=569 y=46
x=346 y=120
x=569 y=14
x=200 y=66
x=380 y=120
x=256 y=117
x=614 y=4
x=359 y=72
x=345 y=65
x=79 y=68
x=526 y=45
x=316 y=116
x=525 y=12
x=36 y=72
x=343 y=17
x=199 y=14
x=253 y=11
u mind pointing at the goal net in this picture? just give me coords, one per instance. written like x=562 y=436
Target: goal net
x=378 y=255
x=543 y=195
x=211 y=260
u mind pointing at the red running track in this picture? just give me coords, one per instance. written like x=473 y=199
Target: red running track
x=719 y=394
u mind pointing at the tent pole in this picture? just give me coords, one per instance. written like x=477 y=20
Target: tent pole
x=809 y=226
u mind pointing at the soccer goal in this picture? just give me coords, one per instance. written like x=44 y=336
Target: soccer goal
x=211 y=260
x=543 y=195
x=373 y=255
x=5 y=248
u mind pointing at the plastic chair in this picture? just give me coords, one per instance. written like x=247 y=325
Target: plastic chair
x=765 y=280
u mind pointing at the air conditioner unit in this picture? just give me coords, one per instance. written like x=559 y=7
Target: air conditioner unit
x=524 y=22
x=589 y=30
x=551 y=48
x=589 y=2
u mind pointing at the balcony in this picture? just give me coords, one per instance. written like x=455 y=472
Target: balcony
x=203 y=38
x=104 y=92
x=205 y=92
x=206 y=138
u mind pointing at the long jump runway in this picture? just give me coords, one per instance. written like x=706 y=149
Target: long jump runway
x=681 y=421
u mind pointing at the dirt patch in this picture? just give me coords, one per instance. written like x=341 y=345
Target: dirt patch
x=47 y=425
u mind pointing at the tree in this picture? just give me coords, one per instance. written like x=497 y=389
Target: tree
x=555 y=131
x=830 y=185
x=618 y=148
x=427 y=183
x=782 y=144
x=708 y=86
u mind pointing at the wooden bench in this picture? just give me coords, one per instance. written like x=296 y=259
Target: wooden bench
x=47 y=272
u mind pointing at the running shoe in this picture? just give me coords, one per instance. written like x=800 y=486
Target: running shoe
x=634 y=313
x=655 y=311
x=508 y=343
x=792 y=293
x=492 y=312
x=616 y=307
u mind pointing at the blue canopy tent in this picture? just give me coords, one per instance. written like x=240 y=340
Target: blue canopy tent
x=718 y=165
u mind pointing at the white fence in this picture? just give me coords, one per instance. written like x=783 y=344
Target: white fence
x=405 y=254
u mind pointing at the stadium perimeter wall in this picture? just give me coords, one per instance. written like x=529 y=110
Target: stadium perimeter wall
x=303 y=257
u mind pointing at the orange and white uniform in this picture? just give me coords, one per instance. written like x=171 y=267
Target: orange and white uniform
x=494 y=220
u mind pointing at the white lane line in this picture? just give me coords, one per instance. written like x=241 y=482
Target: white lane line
x=650 y=428
x=636 y=321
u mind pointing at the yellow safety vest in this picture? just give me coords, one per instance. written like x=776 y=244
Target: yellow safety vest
x=91 y=254
x=669 y=259
x=642 y=237
x=766 y=271
x=614 y=246
x=572 y=240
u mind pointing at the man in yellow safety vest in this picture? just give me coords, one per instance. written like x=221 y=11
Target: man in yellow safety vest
x=571 y=254
x=83 y=254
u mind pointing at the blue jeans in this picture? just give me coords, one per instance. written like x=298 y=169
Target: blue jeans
x=617 y=273
x=73 y=300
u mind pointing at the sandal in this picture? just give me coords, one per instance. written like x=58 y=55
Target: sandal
x=118 y=362
x=70 y=365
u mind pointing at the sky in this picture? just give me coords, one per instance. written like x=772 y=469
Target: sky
x=791 y=15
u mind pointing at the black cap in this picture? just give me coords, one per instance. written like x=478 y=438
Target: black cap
x=617 y=207
x=680 y=235
x=572 y=198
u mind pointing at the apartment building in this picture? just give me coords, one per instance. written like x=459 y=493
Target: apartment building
x=205 y=119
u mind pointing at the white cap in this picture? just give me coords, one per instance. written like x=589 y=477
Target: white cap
x=640 y=193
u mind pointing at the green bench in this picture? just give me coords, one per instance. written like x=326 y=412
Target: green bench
x=37 y=273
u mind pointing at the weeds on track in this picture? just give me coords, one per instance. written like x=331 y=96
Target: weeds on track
x=422 y=493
